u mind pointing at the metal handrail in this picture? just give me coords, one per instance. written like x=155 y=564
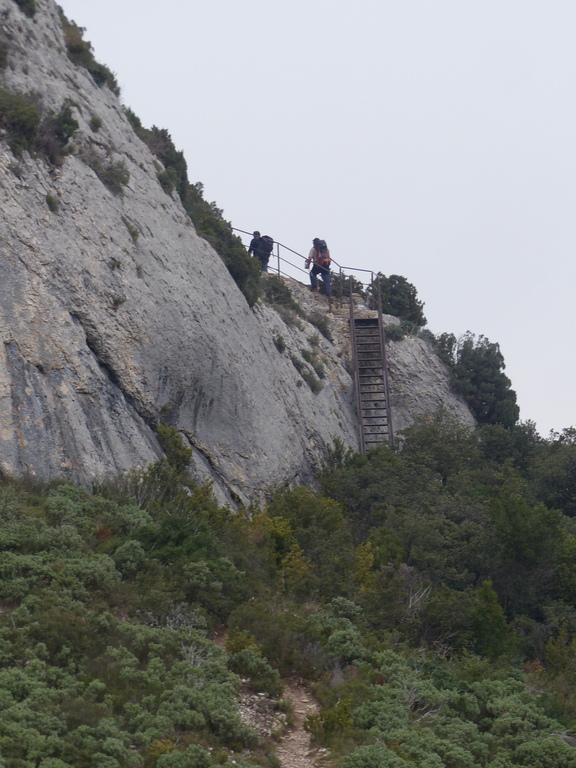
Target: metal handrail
x=341 y=268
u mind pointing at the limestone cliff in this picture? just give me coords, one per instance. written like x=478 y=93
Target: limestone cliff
x=114 y=314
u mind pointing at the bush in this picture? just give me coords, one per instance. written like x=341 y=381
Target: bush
x=133 y=231
x=394 y=333
x=249 y=663
x=375 y=756
x=112 y=173
x=27 y=6
x=314 y=384
x=192 y=757
x=477 y=373
x=279 y=343
x=168 y=180
x=321 y=322
x=178 y=454
x=341 y=285
x=399 y=298
x=20 y=118
x=54 y=134
x=95 y=123
x=53 y=203
x=399 y=332
x=278 y=294
x=80 y=53
x=314 y=362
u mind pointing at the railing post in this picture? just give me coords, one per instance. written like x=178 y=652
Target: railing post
x=278 y=255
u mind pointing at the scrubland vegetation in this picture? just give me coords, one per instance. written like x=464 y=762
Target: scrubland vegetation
x=427 y=595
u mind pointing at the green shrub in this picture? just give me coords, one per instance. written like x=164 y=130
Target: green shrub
x=477 y=374
x=399 y=332
x=27 y=6
x=278 y=294
x=314 y=362
x=178 y=454
x=279 y=343
x=399 y=298
x=314 y=384
x=80 y=53
x=20 y=119
x=53 y=203
x=193 y=756
x=321 y=322
x=95 y=123
x=112 y=173
x=394 y=333
x=249 y=663
x=133 y=231
x=341 y=285
x=168 y=180
x=374 y=756
x=55 y=132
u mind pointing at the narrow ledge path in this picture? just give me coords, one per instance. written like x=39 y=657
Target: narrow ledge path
x=294 y=749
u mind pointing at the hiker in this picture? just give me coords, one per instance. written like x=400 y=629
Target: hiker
x=261 y=248
x=264 y=251
x=319 y=257
x=254 y=243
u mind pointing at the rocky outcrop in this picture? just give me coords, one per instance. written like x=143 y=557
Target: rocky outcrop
x=114 y=315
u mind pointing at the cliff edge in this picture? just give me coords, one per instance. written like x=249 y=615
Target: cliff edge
x=115 y=315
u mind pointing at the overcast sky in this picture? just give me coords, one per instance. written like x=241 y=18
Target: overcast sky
x=435 y=139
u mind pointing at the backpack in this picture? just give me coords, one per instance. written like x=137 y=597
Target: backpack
x=323 y=254
x=266 y=244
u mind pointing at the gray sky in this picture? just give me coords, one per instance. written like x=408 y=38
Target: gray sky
x=434 y=139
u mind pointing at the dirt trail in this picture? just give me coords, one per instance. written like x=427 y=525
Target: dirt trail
x=294 y=749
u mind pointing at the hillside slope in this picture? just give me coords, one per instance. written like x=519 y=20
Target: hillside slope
x=115 y=315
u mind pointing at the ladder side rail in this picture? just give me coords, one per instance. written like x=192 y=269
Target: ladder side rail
x=356 y=373
x=385 y=367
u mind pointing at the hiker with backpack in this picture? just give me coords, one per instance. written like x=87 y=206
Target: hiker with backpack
x=264 y=251
x=261 y=248
x=254 y=243
x=319 y=257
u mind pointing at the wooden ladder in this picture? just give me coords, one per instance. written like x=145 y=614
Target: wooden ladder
x=371 y=380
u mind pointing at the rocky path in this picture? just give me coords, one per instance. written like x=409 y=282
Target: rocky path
x=294 y=749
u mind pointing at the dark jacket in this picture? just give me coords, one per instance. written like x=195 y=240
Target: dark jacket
x=254 y=246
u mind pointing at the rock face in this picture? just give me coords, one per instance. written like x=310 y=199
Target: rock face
x=115 y=315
